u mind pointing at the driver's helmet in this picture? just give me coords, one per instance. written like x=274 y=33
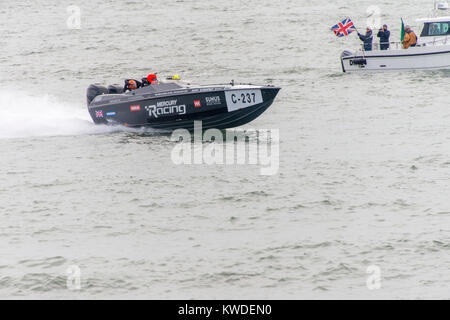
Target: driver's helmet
x=132 y=85
x=152 y=78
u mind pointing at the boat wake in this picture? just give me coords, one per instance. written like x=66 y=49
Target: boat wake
x=24 y=115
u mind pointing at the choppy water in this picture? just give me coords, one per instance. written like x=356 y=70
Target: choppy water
x=364 y=159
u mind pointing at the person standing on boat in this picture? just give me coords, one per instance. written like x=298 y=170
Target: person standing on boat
x=384 y=34
x=367 y=39
x=410 y=39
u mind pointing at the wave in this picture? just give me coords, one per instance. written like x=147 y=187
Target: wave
x=25 y=115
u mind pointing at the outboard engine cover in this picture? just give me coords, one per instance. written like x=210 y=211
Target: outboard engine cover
x=346 y=53
x=95 y=90
x=115 y=89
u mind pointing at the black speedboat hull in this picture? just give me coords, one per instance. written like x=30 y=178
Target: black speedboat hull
x=179 y=107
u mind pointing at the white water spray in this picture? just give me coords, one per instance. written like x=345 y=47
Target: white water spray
x=23 y=115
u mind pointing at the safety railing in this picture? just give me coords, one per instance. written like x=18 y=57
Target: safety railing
x=436 y=41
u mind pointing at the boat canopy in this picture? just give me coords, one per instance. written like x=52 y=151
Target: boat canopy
x=436 y=19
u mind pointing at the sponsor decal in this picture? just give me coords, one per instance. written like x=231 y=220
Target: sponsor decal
x=169 y=103
x=213 y=101
x=166 y=108
x=111 y=114
x=98 y=113
x=197 y=104
x=135 y=108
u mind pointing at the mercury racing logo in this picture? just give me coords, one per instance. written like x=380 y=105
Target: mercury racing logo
x=164 y=108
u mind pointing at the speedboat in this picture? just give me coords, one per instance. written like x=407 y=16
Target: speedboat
x=174 y=104
x=432 y=51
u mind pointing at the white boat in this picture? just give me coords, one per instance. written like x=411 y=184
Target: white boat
x=432 y=51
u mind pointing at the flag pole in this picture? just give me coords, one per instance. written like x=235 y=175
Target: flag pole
x=356 y=29
x=402 y=32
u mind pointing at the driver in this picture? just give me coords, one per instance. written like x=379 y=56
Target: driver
x=131 y=85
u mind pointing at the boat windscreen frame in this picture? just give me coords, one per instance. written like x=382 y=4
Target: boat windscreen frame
x=426 y=29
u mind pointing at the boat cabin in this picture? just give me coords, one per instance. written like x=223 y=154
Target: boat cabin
x=435 y=27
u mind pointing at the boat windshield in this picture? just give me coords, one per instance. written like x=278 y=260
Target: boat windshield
x=158 y=87
x=434 y=29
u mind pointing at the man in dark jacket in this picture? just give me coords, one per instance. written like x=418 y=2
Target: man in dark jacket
x=367 y=39
x=384 y=34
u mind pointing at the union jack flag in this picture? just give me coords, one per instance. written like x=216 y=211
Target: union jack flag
x=344 y=28
x=99 y=114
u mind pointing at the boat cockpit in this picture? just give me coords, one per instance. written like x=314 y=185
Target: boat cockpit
x=435 y=27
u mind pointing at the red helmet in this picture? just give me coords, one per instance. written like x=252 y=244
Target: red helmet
x=132 y=85
x=152 y=78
